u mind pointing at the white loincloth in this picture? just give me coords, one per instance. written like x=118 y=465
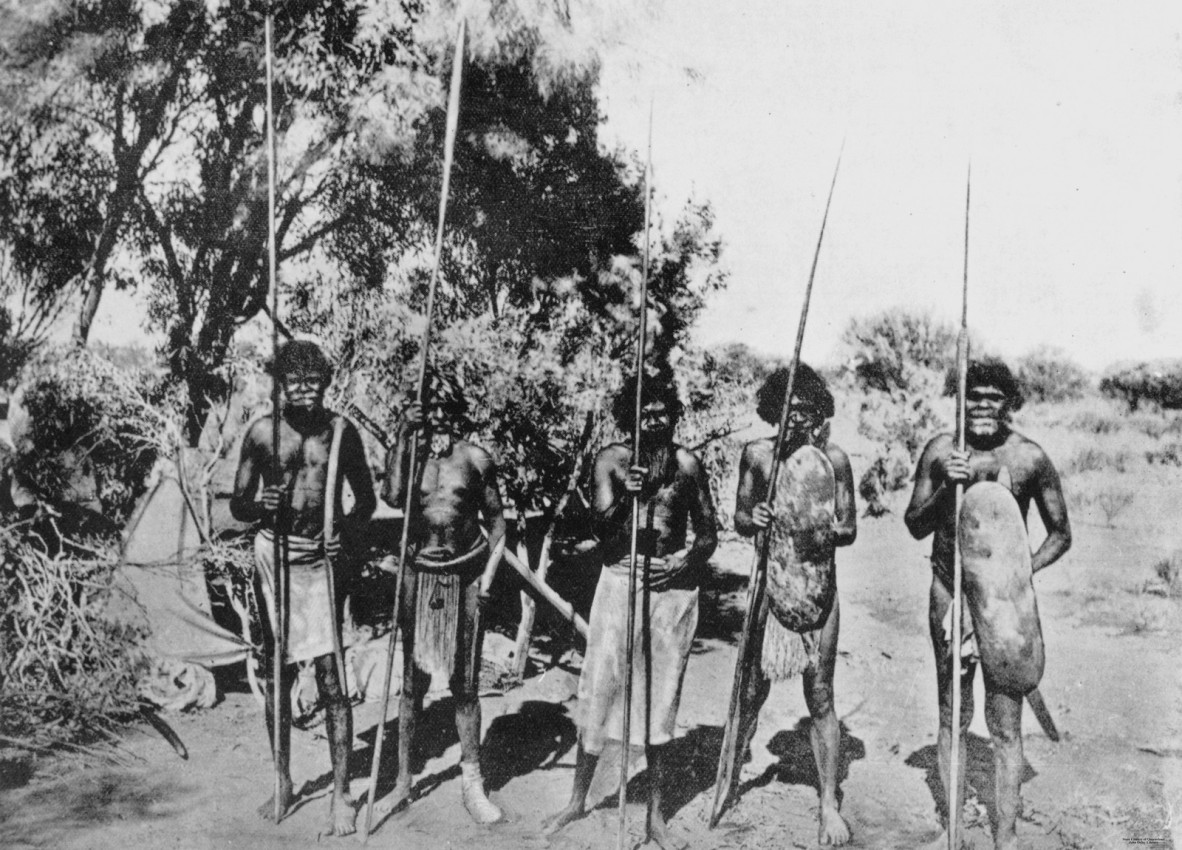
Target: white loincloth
x=310 y=617
x=671 y=623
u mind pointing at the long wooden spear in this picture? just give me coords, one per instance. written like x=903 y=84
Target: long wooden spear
x=755 y=588
x=626 y=732
x=280 y=636
x=453 y=117
x=962 y=372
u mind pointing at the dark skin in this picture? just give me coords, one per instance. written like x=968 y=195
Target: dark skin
x=992 y=447
x=458 y=489
x=752 y=515
x=667 y=513
x=294 y=504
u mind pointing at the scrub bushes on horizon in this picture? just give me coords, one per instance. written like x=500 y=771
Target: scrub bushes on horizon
x=1158 y=383
x=1049 y=375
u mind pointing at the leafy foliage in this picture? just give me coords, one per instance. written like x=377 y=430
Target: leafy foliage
x=1158 y=383
x=83 y=414
x=896 y=361
x=1049 y=375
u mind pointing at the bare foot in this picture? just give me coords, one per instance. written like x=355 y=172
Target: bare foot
x=659 y=834
x=834 y=831
x=479 y=806
x=395 y=801
x=342 y=816
x=556 y=822
x=286 y=797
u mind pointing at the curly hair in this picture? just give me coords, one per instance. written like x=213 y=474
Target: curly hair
x=300 y=355
x=660 y=387
x=443 y=390
x=808 y=386
x=989 y=372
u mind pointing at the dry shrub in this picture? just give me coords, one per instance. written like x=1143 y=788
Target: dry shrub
x=69 y=673
x=1168 y=454
x=1113 y=502
x=1092 y=459
x=1167 y=580
x=1049 y=375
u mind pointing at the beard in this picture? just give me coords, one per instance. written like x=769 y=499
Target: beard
x=440 y=443
x=654 y=456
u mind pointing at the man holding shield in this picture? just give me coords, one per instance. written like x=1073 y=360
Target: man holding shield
x=808 y=648
x=996 y=453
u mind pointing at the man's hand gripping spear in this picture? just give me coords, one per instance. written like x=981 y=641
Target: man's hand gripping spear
x=453 y=115
x=748 y=650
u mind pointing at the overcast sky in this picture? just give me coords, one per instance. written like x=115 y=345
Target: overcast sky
x=1071 y=113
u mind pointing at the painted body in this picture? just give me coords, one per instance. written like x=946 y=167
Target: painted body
x=294 y=504
x=995 y=451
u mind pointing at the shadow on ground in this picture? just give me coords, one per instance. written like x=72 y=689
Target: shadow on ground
x=978 y=773
x=534 y=737
x=795 y=763
x=44 y=816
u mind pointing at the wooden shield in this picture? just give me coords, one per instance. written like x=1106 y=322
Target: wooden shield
x=800 y=581
x=995 y=553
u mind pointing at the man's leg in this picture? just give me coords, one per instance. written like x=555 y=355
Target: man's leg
x=465 y=688
x=338 y=721
x=1003 y=714
x=825 y=731
x=409 y=701
x=657 y=828
x=941 y=600
x=585 y=764
x=283 y=759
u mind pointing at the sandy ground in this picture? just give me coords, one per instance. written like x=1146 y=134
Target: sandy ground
x=1112 y=684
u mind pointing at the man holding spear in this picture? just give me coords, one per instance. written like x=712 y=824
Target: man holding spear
x=785 y=653
x=292 y=506
x=994 y=453
x=451 y=569
x=674 y=497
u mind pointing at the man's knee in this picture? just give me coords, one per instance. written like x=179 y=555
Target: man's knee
x=818 y=694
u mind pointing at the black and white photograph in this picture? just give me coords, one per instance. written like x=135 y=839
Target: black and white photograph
x=590 y=424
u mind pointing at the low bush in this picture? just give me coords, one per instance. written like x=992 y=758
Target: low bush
x=1158 y=383
x=1049 y=375
x=1168 y=454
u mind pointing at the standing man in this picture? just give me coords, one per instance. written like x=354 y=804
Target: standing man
x=812 y=406
x=450 y=569
x=674 y=494
x=293 y=506
x=995 y=453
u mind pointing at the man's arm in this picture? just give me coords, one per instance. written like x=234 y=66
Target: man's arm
x=609 y=504
x=934 y=496
x=750 y=490
x=1053 y=509
x=492 y=511
x=355 y=469
x=845 y=518
x=252 y=457
x=702 y=518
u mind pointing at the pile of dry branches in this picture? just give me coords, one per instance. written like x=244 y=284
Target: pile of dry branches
x=67 y=673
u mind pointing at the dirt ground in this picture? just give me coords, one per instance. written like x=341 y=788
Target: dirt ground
x=1111 y=683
